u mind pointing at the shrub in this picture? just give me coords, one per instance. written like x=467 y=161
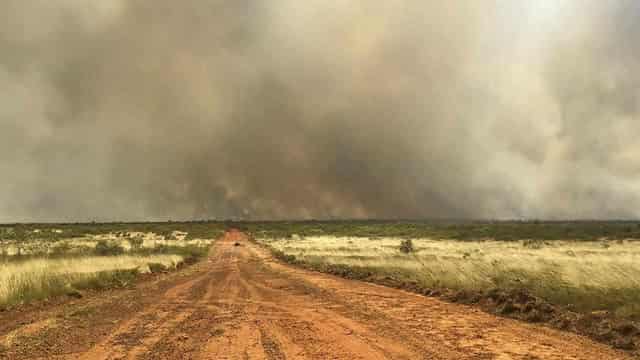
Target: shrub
x=136 y=242
x=533 y=244
x=62 y=249
x=157 y=267
x=105 y=248
x=280 y=255
x=406 y=246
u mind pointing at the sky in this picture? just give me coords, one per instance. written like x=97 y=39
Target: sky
x=324 y=109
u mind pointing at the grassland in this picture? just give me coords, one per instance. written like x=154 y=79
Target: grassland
x=43 y=261
x=580 y=276
x=575 y=274
x=36 y=279
x=588 y=276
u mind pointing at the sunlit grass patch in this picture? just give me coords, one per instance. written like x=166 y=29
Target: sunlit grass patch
x=34 y=279
x=40 y=263
x=585 y=275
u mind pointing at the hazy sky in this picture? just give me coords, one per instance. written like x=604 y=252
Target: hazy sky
x=164 y=109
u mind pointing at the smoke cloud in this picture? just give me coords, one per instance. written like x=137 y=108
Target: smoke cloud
x=163 y=109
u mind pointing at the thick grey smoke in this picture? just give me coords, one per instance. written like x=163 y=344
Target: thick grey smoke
x=158 y=109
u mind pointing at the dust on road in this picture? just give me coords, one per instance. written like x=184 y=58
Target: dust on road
x=242 y=304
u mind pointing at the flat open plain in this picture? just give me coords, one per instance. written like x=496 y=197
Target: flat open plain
x=242 y=304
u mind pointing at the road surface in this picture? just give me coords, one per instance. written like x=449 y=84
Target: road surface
x=242 y=304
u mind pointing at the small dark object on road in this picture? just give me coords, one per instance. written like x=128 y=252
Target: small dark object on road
x=236 y=244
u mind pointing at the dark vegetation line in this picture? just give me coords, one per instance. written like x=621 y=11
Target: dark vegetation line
x=498 y=230
x=439 y=229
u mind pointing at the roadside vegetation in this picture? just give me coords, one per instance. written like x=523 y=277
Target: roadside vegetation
x=579 y=276
x=587 y=276
x=39 y=262
x=37 y=279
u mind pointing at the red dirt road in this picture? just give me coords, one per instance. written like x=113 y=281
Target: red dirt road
x=241 y=304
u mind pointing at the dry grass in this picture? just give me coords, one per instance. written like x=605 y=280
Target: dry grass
x=586 y=275
x=38 y=265
x=86 y=244
x=40 y=278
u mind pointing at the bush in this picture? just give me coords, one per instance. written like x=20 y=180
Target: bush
x=280 y=255
x=406 y=246
x=157 y=268
x=136 y=242
x=105 y=248
x=533 y=244
x=62 y=249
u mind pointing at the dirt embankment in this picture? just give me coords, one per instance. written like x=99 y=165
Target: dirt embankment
x=241 y=304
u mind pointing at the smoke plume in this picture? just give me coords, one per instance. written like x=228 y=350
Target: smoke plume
x=163 y=109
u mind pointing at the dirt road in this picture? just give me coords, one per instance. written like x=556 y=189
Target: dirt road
x=241 y=304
